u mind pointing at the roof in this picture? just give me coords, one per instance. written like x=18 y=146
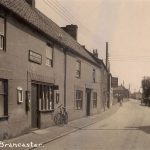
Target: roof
x=120 y=88
x=43 y=24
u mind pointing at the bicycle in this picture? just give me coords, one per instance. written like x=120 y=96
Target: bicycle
x=61 y=116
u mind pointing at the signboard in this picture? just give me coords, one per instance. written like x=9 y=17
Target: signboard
x=114 y=82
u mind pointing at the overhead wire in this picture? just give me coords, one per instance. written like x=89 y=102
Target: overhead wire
x=62 y=12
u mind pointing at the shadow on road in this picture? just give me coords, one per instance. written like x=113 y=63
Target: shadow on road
x=145 y=129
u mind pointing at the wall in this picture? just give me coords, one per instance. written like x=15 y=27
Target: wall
x=85 y=81
x=14 y=66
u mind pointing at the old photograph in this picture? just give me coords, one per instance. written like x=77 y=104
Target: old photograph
x=74 y=74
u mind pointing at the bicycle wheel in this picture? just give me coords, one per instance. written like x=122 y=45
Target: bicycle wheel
x=57 y=119
x=65 y=118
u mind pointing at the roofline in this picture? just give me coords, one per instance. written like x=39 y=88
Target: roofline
x=48 y=37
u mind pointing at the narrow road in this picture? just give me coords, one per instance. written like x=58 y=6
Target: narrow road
x=127 y=129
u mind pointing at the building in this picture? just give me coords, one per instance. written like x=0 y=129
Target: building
x=120 y=90
x=41 y=67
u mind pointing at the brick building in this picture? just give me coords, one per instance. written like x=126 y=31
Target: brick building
x=41 y=67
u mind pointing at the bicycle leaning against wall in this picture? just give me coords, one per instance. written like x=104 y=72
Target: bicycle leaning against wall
x=61 y=116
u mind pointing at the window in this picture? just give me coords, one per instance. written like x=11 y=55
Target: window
x=46 y=98
x=3 y=98
x=2 y=33
x=94 y=100
x=35 y=57
x=49 y=55
x=94 y=75
x=79 y=100
x=78 y=69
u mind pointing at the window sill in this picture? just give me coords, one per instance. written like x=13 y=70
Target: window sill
x=3 y=118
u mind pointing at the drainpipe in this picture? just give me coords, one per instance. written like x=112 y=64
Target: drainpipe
x=65 y=75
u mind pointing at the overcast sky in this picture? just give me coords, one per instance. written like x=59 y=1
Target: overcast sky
x=125 y=24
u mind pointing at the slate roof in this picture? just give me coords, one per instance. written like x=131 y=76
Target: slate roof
x=45 y=25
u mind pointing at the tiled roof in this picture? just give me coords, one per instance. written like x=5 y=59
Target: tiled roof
x=43 y=24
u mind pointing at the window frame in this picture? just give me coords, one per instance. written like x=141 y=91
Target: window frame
x=94 y=75
x=44 y=98
x=5 y=94
x=94 y=99
x=79 y=101
x=47 y=58
x=78 y=71
x=3 y=35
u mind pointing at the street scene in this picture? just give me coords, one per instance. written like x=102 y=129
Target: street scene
x=74 y=74
x=126 y=129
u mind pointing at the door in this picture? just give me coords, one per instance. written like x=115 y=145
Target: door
x=88 y=97
x=34 y=106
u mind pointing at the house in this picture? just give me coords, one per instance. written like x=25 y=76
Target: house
x=41 y=67
x=120 y=90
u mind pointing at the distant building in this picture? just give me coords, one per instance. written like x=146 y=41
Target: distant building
x=120 y=90
x=136 y=95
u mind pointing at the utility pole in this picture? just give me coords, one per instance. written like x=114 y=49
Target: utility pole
x=107 y=55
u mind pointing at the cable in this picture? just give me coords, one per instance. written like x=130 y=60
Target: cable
x=49 y=4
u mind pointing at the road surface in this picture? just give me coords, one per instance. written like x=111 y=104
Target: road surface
x=127 y=129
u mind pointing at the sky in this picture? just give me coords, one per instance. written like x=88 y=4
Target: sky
x=124 y=24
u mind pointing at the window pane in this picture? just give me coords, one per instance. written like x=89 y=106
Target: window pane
x=1 y=25
x=49 y=52
x=78 y=65
x=1 y=105
x=1 y=87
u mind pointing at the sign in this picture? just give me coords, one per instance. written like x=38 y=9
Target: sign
x=114 y=82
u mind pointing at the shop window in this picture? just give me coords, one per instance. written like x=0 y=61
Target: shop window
x=94 y=100
x=2 y=33
x=78 y=99
x=49 y=55
x=46 y=98
x=3 y=98
x=78 y=69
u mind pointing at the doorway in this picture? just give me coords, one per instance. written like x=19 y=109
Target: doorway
x=34 y=106
x=88 y=97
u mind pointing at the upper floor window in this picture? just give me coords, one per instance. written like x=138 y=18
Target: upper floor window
x=49 y=55
x=94 y=75
x=2 y=32
x=3 y=98
x=78 y=69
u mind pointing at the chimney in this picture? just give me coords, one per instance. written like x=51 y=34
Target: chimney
x=31 y=3
x=83 y=46
x=95 y=53
x=72 y=30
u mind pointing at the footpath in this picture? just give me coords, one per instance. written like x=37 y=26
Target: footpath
x=40 y=137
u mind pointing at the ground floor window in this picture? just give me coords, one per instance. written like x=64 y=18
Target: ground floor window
x=3 y=98
x=94 y=100
x=46 y=97
x=79 y=99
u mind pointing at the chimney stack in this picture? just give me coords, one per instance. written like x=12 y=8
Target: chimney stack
x=95 y=53
x=31 y=3
x=72 y=30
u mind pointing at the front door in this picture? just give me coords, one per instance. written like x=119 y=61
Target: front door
x=88 y=97
x=34 y=106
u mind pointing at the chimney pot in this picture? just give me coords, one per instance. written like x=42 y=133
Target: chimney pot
x=31 y=3
x=95 y=53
